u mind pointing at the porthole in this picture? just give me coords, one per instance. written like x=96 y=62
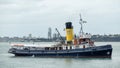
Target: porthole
x=108 y=52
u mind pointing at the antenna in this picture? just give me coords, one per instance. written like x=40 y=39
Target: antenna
x=81 y=23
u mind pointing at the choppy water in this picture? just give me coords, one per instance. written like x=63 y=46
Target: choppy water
x=10 y=61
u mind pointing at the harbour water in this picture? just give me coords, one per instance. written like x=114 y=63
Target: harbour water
x=10 y=61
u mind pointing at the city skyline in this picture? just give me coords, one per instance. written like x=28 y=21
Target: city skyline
x=23 y=17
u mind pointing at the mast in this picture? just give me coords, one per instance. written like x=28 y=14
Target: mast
x=81 y=23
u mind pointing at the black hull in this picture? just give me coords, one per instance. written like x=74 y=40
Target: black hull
x=94 y=52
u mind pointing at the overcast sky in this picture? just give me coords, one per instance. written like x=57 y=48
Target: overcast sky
x=22 y=17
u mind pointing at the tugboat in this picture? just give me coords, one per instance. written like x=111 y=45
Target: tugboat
x=76 y=47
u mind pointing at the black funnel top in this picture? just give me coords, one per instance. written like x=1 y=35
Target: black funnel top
x=68 y=25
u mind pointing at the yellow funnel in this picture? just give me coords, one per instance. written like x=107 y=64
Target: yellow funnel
x=69 y=32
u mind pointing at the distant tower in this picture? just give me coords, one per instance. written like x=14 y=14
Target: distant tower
x=30 y=36
x=54 y=36
x=49 y=33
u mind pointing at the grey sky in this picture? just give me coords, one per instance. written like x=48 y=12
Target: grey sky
x=21 y=17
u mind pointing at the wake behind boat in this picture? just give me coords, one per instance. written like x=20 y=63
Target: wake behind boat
x=81 y=46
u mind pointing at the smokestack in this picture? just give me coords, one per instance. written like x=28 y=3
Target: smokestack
x=69 y=32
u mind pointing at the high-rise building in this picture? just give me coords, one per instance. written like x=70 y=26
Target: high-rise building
x=54 y=36
x=49 y=33
x=30 y=36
